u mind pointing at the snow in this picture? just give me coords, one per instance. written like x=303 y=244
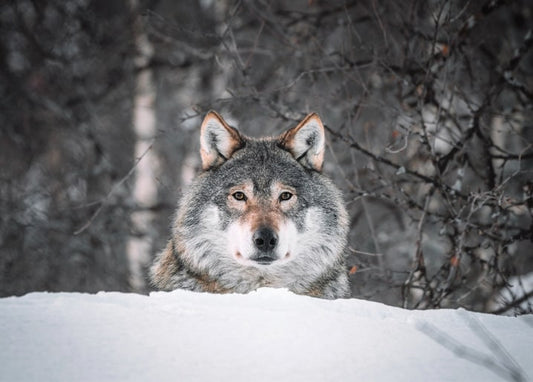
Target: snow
x=268 y=335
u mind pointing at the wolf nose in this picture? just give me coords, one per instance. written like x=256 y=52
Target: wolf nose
x=265 y=239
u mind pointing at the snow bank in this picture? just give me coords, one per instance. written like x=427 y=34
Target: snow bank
x=269 y=335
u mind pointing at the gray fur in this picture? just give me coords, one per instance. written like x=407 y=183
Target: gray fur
x=196 y=257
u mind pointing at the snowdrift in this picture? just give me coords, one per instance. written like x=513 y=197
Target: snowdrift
x=268 y=335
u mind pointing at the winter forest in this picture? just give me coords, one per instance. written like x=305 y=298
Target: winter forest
x=429 y=126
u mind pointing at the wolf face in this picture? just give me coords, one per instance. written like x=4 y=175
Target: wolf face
x=260 y=214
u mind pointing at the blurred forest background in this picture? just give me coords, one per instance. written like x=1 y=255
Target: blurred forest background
x=428 y=107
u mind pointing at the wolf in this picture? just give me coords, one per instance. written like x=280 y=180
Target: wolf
x=260 y=214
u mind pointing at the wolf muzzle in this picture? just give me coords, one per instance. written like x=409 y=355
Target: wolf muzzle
x=265 y=241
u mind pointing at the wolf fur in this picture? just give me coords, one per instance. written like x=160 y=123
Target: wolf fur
x=260 y=214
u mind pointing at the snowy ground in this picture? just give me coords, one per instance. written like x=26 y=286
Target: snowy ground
x=269 y=335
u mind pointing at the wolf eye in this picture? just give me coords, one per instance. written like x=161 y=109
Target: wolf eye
x=239 y=195
x=285 y=196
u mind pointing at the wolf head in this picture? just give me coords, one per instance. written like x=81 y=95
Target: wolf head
x=261 y=213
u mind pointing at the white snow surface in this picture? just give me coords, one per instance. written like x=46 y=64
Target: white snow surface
x=268 y=335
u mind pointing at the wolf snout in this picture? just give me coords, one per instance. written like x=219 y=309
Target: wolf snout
x=265 y=239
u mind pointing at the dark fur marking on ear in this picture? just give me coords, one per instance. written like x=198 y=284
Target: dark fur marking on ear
x=302 y=156
x=213 y=139
x=310 y=141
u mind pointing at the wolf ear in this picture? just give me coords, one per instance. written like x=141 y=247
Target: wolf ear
x=306 y=142
x=218 y=141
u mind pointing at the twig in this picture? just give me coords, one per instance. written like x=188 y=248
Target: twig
x=418 y=263
x=105 y=201
x=388 y=162
x=513 y=303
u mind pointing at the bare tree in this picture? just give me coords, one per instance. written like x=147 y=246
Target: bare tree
x=427 y=105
